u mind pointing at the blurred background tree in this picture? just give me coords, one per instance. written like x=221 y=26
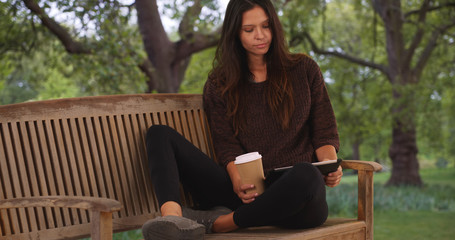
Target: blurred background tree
x=388 y=65
x=396 y=39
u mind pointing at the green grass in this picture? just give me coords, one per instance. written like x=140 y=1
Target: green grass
x=414 y=225
x=129 y=235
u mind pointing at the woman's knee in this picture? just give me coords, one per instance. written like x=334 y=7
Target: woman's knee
x=158 y=132
x=306 y=176
x=307 y=220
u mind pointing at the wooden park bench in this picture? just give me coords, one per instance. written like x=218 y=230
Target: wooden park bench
x=74 y=168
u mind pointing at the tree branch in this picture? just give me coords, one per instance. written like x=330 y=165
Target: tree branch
x=345 y=56
x=392 y=16
x=379 y=7
x=187 y=23
x=147 y=68
x=409 y=53
x=184 y=48
x=408 y=14
x=193 y=42
x=62 y=34
x=432 y=43
x=156 y=41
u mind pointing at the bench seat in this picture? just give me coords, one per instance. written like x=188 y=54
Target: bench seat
x=343 y=228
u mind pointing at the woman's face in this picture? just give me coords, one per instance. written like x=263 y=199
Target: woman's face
x=255 y=33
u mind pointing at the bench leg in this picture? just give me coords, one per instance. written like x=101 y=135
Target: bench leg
x=101 y=225
x=365 y=200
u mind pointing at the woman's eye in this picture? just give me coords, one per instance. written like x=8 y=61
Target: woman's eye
x=266 y=26
x=248 y=30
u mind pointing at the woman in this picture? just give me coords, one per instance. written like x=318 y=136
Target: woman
x=258 y=97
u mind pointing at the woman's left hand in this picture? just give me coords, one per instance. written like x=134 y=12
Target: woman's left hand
x=334 y=178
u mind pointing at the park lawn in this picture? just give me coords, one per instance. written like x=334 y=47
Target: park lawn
x=414 y=225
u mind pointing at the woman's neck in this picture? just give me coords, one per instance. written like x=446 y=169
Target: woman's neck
x=258 y=68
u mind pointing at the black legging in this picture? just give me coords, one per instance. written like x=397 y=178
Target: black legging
x=295 y=200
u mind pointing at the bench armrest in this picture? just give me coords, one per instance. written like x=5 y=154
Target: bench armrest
x=101 y=209
x=365 y=190
x=361 y=165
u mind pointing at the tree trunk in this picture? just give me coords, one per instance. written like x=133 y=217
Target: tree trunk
x=356 y=150
x=156 y=43
x=171 y=84
x=403 y=150
x=403 y=153
x=170 y=59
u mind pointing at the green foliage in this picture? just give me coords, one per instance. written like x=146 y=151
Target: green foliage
x=203 y=23
x=114 y=70
x=35 y=66
x=434 y=198
x=5 y=70
x=197 y=72
x=361 y=101
x=17 y=31
x=435 y=104
x=50 y=72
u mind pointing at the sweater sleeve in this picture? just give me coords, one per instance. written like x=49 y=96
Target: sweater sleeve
x=225 y=144
x=322 y=118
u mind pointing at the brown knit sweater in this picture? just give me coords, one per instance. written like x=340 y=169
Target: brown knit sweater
x=312 y=125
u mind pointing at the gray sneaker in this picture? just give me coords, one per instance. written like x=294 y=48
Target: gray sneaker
x=206 y=218
x=172 y=228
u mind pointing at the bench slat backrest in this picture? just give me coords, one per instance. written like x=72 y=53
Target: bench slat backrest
x=91 y=146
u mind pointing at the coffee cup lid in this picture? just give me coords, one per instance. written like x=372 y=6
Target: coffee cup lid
x=247 y=157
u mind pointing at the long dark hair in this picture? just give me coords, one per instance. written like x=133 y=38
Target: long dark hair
x=231 y=65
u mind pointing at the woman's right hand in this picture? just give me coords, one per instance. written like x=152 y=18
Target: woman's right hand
x=239 y=188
